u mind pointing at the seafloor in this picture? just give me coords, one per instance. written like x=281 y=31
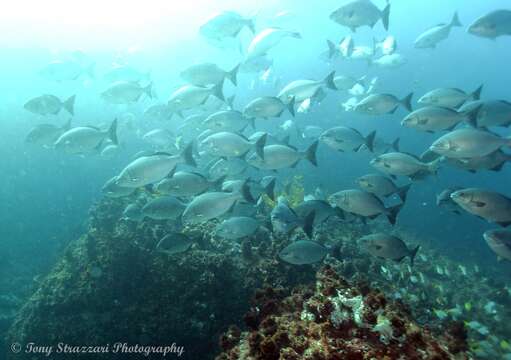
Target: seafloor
x=229 y=300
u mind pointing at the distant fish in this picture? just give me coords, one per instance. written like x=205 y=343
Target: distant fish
x=85 y=139
x=125 y=92
x=303 y=252
x=344 y=82
x=228 y=144
x=493 y=162
x=158 y=112
x=268 y=107
x=227 y=167
x=357 y=13
x=161 y=138
x=445 y=201
x=185 y=183
x=488 y=113
x=388 y=61
x=163 y=208
x=45 y=135
x=388 y=247
x=174 y=243
x=226 y=24
x=363 y=204
x=382 y=186
x=489 y=205
x=321 y=208
x=434 y=118
x=126 y=73
x=50 y=105
x=282 y=156
x=267 y=39
x=66 y=70
x=431 y=37
x=343 y=138
x=112 y=190
x=500 y=242
x=228 y=120
x=300 y=90
x=190 y=96
x=204 y=74
x=387 y=46
x=449 y=97
x=237 y=227
x=380 y=104
x=492 y=25
x=133 y=212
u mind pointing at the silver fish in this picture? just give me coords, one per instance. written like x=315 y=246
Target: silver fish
x=267 y=39
x=388 y=247
x=159 y=137
x=126 y=73
x=342 y=138
x=382 y=186
x=303 y=252
x=494 y=162
x=84 y=139
x=163 y=208
x=237 y=227
x=433 y=118
x=284 y=219
x=488 y=113
x=380 y=104
x=468 y=143
x=227 y=120
x=185 y=183
x=204 y=74
x=268 y=107
x=133 y=212
x=125 y=92
x=489 y=205
x=363 y=204
x=226 y=24
x=191 y=96
x=50 y=105
x=431 y=37
x=228 y=144
x=403 y=164
x=111 y=189
x=500 y=242
x=64 y=70
x=45 y=135
x=300 y=90
x=449 y=97
x=282 y=156
x=174 y=243
x=357 y=13
x=445 y=201
x=492 y=25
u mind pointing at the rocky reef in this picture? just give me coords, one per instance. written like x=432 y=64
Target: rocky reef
x=336 y=320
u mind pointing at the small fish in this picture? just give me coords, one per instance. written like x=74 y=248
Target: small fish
x=228 y=144
x=45 y=135
x=85 y=139
x=110 y=151
x=303 y=252
x=321 y=208
x=388 y=247
x=133 y=212
x=493 y=162
x=300 y=90
x=492 y=25
x=212 y=205
x=112 y=190
x=204 y=74
x=357 y=13
x=343 y=138
x=500 y=242
x=489 y=205
x=159 y=137
x=431 y=37
x=226 y=24
x=267 y=39
x=449 y=97
x=364 y=204
x=433 y=118
x=403 y=164
x=469 y=143
x=237 y=227
x=164 y=208
x=268 y=107
x=149 y=169
x=382 y=186
x=174 y=243
x=445 y=201
x=284 y=219
x=282 y=156
x=388 y=61
x=125 y=92
x=158 y=112
x=344 y=82
x=381 y=104
x=488 y=113
x=227 y=167
x=50 y=105
x=191 y=96
x=186 y=183
x=228 y=120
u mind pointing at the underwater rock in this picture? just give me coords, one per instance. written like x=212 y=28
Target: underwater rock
x=335 y=320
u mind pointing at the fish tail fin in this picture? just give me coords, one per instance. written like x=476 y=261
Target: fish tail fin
x=67 y=125
x=218 y=92
x=187 y=155
x=112 y=132
x=148 y=90
x=472 y=116
x=385 y=17
x=89 y=70
x=402 y=192
x=395 y=144
x=392 y=213
x=329 y=81
x=407 y=101
x=455 y=20
x=291 y=106
x=434 y=165
x=310 y=153
x=369 y=140
x=413 y=254
x=233 y=75
x=269 y=189
x=331 y=49
x=476 y=95
x=308 y=223
x=69 y=104
x=259 y=146
x=245 y=192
